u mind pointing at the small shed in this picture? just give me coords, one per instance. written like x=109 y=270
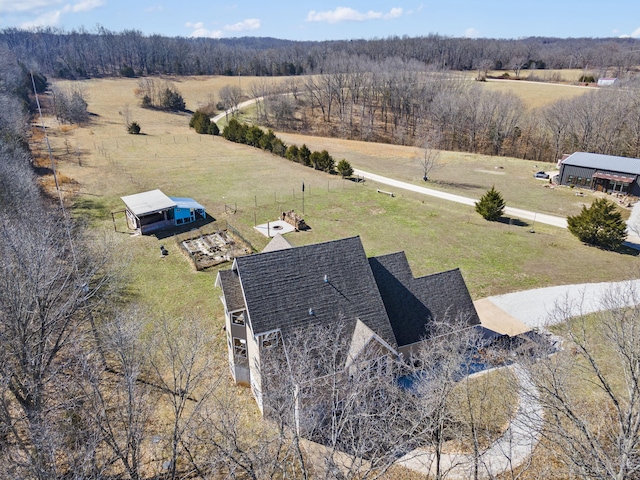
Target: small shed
x=187 y=210
x=607 y=82
x=149 y=211
x=153 y=210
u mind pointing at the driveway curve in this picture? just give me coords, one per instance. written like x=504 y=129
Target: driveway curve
x=505 y=454
x=541 y=307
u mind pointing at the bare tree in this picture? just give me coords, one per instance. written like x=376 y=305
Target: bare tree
x=70 y=104
x=230 y=96
x=182 y=367
x=46 y=288
x=591 y=388
x=430 y=158
x=121 y=402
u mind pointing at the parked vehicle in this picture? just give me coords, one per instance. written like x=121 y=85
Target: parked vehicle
x=541 y=174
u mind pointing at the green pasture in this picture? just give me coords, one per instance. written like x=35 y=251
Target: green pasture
x=435 y=234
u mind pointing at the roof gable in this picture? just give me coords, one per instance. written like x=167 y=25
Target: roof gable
x=278 y=242
x=412 y=304
x=320 y=284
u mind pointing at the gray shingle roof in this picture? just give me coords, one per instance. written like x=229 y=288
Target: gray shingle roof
x=231 y=289
x=604 y=162
x=283 y=287
x=412 y=303
x=278 y=242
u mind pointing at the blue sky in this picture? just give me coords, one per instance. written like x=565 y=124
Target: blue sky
x=344 y=19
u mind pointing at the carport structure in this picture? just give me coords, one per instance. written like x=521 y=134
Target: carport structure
x=149 y=211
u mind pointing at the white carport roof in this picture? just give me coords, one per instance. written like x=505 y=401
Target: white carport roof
x=148 y=202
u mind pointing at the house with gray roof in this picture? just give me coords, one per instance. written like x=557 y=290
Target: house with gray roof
x=374 y=303
x=604 y=173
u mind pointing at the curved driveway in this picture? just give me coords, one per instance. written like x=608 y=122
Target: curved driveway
x=505 y=454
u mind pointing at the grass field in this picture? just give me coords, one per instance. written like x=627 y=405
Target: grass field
x=106 y=163
x=536 y=88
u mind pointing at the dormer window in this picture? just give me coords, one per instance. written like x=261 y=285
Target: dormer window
x=237 y=318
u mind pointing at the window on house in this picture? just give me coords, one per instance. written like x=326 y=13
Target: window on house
x=270 y=340
x=237 y=318
x=240 y=347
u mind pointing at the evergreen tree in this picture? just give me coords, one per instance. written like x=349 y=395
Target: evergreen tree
x=292 y=153
x=304 y=155
x=491 y=205
x=200 y=122
x=601 y=225
x=344 y=168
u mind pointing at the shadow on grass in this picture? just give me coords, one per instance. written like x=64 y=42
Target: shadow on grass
x=513 y=221
x=169 y=232
x=462 y=186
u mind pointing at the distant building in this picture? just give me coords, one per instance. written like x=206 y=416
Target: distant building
x=607 y=82
x=153 y=210
x=604 y=173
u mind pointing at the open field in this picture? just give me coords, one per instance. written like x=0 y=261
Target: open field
x=536 y=94
x=548 y=87
x=102 y=163
x=437 y=235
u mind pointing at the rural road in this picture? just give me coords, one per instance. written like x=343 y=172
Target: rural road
x=516 y=212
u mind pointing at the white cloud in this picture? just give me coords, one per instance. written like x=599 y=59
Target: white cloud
x=154 y=8
x=634 y=34
x=243 y=26
x=248 y=24
x=471 y=33
x=52 y=17
x=83 y=6
x=48 y=19
x=7 y=6
x=344 y=14
x=203 y=32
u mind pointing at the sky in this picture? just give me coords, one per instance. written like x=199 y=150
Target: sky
x=326 y=20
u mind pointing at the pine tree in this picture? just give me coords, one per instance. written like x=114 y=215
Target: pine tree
x=344 y=168
x=491 y=205
x=601 y=225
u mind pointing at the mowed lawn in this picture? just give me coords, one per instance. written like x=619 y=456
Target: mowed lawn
x=106 y=163
x=466 y=174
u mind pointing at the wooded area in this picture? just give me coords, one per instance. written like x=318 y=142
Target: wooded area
x=101 y=52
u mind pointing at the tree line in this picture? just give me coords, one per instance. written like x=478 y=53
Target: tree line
x=406 y=103
x=254 y=136
x=101 y=52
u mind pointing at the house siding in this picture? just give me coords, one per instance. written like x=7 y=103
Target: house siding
x=570 y=173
